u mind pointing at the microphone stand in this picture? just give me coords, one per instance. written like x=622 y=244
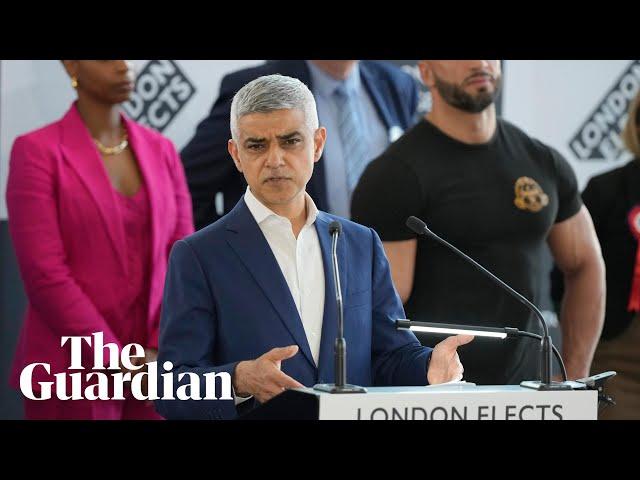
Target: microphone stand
x=340 y=347
x=546 y=354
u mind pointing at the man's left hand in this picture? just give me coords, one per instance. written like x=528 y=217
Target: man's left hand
x=445 y=365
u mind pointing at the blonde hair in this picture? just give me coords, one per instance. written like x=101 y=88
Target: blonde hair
x=631 y=134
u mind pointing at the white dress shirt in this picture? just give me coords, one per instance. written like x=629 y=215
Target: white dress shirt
x=300 y=261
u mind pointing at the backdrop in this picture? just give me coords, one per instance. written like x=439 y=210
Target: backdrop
x=577 y=107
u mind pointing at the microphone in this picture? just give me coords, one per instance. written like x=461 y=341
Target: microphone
x=340 y=348
x=546 y=356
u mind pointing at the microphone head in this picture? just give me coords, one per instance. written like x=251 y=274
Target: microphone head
x=335 y=227
x=417 y=225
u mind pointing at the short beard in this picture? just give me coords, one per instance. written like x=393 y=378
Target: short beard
x=455 y=96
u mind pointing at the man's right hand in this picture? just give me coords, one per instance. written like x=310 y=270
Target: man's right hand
x=262 y=377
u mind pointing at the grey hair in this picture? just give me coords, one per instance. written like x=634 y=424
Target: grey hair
x=273 y=92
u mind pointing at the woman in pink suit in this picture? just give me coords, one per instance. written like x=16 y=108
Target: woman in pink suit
x=95 y=203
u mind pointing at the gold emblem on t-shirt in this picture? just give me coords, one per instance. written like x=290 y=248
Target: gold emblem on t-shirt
x=529 y=195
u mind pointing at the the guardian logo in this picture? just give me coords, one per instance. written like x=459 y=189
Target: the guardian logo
x=109 y=382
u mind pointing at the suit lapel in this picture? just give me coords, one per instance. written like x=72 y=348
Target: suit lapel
x=376 y=95
x=248 y=242
x=149 y=159
x=330 y=318
x=82 y=155
x=150 y=162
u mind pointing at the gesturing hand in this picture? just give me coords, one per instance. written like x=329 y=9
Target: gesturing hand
x=445 y=365
x=262 y=377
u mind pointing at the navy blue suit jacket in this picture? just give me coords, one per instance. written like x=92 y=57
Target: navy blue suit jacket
x=226 y=300
x=209 y=168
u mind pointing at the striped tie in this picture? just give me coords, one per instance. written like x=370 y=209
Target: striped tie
x=354 y=146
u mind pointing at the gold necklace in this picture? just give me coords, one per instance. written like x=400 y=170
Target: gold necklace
x=116 y=149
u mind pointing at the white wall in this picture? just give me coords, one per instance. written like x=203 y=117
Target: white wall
x=553 y=100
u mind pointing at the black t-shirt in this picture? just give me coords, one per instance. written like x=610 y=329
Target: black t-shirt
x=497 y=203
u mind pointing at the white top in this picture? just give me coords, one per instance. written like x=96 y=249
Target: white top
x=300 y=261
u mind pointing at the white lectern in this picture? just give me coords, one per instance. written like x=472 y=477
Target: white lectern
x=439 y=402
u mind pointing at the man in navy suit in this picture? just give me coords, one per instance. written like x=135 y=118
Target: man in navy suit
x=381 y=98
x=252 y=294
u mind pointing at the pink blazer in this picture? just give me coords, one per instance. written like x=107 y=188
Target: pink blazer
x=69 y=236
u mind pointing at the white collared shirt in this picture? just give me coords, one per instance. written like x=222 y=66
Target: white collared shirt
x=300 y=261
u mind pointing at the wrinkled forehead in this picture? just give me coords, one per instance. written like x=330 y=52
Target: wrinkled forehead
x=272 y=124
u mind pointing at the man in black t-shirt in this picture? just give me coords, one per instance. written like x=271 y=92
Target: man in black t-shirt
x=498 y=195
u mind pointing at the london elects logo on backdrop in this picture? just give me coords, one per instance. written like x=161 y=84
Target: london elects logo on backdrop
x=598 y=138
x=162 y=90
